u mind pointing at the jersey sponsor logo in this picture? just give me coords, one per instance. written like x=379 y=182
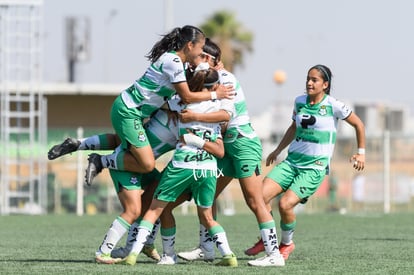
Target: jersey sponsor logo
x=308 y=138
x=198 y=157
x=176 y=60
x=307 y=120
x=178 y=73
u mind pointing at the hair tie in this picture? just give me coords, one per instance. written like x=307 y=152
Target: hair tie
x=203 y=66
x=321 y=68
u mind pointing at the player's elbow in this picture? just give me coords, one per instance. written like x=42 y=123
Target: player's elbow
x=220 y=153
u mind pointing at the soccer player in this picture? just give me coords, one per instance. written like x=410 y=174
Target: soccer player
x=193 y=167
x=311 y=139
x=162 y=134
x=163 y=78
x=242 y=160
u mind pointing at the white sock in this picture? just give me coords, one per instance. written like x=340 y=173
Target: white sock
x=206 y=241
x=143 y=233
x=287 y=236
x=132 y=235
x=154 y=233
x=269 y=238
x=109 y=161
x=90 y=143
x=117 y=229
x=168 y=244
x=220 y=238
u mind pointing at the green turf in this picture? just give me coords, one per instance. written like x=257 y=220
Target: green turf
x=325 y=244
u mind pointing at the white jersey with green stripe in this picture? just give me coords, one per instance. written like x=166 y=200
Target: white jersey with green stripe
x=316 y=127
x=149 y=92
x=241 y=115
x=191 y=157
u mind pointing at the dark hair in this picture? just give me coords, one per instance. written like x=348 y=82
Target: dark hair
x=174 y=41
x=326 y=75
x=213 y=49
x=203 y=79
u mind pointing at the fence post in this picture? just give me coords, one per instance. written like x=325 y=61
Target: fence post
x=79 y=184
x=387 y=185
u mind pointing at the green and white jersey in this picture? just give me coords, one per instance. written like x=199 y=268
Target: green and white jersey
x=162 y=133
x=148 y=93
x=316 y=127
x=190 y=157
x=240 y=116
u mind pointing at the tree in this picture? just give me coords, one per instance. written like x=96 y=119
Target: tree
x=234 y=40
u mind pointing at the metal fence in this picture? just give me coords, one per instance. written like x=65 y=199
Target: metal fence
x=385 y=185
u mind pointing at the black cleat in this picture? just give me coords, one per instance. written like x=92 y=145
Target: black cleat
x=68 y=146
x=94 y=168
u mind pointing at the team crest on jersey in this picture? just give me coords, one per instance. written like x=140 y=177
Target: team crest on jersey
x=133 y=180
x=322 y=110
x=141 y=136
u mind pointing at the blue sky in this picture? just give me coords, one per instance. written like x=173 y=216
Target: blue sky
x=367 y=44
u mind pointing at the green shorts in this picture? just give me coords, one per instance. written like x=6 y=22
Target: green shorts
x=304 y=182
x=243 y=156
x=175 y=181
x=128 y=124
x=125 y=179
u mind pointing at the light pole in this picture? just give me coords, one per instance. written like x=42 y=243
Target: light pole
x=107 y=21
x=168 y=15
x=279 y=77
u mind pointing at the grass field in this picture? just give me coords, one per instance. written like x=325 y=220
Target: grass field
x=325 y=244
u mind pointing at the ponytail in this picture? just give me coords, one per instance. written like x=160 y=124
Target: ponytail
x=174 y=41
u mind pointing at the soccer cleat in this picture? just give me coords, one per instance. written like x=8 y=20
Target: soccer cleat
x=94 y=168
x=103 y=258
x=268 y=260
x=192 y=255
x=151 y=252
x=131 y=259
x=69 y=145
x=121 y=252
x=286 y=249
x=168 y=260
x=228 y=260
x=255 y=249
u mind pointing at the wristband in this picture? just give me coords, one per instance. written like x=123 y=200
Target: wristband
x=361 y=151
x=213 y=95
x=194 y=140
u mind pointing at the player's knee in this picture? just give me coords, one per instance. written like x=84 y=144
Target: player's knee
x=285 y=205
x=133 y=212
x=148 y=166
